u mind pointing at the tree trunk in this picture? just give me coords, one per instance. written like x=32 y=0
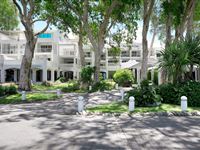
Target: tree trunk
x=80 y=46
x=152 y=41
x=190 y=20
x=97 y=65
x=167 y=43
x=25 y=70
x=148 y=6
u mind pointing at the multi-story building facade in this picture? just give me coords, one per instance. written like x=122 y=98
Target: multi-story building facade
x=55 y=56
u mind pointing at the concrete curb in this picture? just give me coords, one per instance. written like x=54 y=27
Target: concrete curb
x=165 y=114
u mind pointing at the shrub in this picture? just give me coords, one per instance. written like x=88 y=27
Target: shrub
x=171 y=93
x=145 y=95
x=11 y=90
x=86 y=74
x=2 y=90
x=103 y=85
x=71 y=86
x=8 y=90
x=123 y=77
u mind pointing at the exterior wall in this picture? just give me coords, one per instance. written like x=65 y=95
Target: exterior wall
x=55 y=54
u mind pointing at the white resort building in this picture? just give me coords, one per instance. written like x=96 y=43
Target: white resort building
x=56 y=55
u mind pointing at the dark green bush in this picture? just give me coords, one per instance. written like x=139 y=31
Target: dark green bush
x=171 y=93
x=86 y=74
x=145 y=95
x=11 y=90
x=123 y=77
x=8 y=90
x=102 y=86
x=2 y=90
x=71 y=86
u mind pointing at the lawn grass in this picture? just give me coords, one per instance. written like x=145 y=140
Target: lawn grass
x=40 y=87
x=121 y=108
x=30 y=97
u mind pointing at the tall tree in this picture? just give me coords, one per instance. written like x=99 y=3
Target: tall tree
x=8 y=15
x=147 y=10
x=64 y=18
x=99 y=17
x=29 y=12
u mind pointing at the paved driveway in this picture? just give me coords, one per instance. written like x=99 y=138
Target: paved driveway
x=54 y=126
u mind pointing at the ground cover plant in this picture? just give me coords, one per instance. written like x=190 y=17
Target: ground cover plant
x=30 y=97
x=120 y=107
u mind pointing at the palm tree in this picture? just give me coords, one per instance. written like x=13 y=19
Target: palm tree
x=174 y=59
x=192 y=45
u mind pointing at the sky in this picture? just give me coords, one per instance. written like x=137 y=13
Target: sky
x=40 y=25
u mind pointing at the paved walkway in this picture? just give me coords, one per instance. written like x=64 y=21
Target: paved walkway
x=54 y=126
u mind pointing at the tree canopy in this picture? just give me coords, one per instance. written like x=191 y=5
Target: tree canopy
x=8 y=17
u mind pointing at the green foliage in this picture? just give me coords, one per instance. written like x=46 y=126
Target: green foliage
x=145 y=95
x=103 y=85
x=123 y=77
x=62 y=80
x=171 y=93
x=114 y=51
x=155 y=77
x=174 y=60
x=86 y=74
x=121 y=107
x=72 y=86
x=7 y=90
x=8 y=16
x=30 y=97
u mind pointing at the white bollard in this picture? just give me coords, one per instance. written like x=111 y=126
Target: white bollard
x=131 y=103
x=122 y=94
x=58 y=91
x=90 y=88
x=183 y=103
x=116 y=86
x=23 y=95
x=80 y=104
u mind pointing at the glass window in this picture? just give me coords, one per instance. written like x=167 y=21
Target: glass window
x=45 y=48
x=135 y=53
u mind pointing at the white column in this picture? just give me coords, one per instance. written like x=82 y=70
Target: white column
x=34 y=75
x=138 y=75
x=44 y=74
x=159 y=77
x=18 y=51
x=15 y=75
x=2 y=75
x=52 y=75
x=152 y=74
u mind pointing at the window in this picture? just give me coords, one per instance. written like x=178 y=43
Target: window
x=9 y=49
x=45 y=36
x=87 y=54
x=46 y=48
x=135 y=53
x=125 y=54
x=68 y=60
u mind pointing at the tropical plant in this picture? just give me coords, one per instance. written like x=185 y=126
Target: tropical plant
x=174 y=59
x=123 y=77
x=86 y=74
x=192 y=45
